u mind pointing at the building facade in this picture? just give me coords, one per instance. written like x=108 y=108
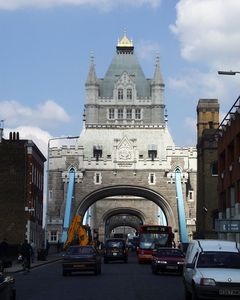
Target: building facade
x=21 y=190
x=228 y=137
x=123 y=166
x=207 y=168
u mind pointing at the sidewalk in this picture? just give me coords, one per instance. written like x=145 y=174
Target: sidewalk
x=17 y=267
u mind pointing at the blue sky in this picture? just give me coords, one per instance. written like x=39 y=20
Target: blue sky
x=45 y=49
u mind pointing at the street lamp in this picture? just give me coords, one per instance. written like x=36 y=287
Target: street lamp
x=47 y=191
x=228 y=72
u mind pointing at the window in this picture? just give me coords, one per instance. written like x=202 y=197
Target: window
x=129 y=113
x=152 y=151
x=214 y=168
x=129 y=94
x=50 y=195
x=137 y=113
x=111 y=113
x=120 y=113
x=151 y=178
x=53 y=236
x=120 y=94
x=232 y=201
x=190 y=196
x=97 y=151
x=97 y=178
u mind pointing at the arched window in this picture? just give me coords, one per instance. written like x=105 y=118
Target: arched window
x=120 y=94
x=129 y=94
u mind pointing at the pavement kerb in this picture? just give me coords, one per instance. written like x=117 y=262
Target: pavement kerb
x=17 y=267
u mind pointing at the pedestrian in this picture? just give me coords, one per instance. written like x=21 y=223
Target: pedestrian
x=4 y=253
x=33 y=250
x=26 y=252
x=58 y=246
x=47 y=247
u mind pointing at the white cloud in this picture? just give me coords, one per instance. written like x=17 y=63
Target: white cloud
x=47 y=115
x=148 y=49
x=102 y=4
x=193 y=82
x=208 y=31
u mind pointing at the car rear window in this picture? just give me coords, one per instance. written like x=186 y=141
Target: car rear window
x=79 y=250
x=170 y=252
x=115 y=244
x=219 y=260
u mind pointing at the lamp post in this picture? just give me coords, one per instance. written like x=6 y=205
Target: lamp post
x=228 y=72
x=47 y=190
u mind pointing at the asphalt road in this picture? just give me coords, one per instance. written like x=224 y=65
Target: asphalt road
x=118 y=281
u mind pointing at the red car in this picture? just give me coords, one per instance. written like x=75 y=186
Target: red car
x=167 y=260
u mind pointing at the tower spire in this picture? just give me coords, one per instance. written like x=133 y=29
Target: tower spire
x=92 y=78
x=157 y=78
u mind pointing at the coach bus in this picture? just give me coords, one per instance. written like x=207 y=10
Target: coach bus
x=152 y=237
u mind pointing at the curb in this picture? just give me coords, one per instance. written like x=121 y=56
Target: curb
x=33 y=266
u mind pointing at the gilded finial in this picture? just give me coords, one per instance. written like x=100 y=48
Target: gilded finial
x=124 y=41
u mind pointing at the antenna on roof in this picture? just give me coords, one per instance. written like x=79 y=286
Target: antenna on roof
x=1 y=129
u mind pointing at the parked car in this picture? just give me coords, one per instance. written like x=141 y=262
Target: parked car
x=7 y=288
x=212 y=270
x=81 y=258
x=167 y=260
x=115 y=249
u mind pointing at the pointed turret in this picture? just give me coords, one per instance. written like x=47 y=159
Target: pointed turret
x=157 y=78
x=92 y=90
x=92 y=78
x=157 y=85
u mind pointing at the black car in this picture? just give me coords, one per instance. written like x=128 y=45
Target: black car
x=115 y=249
x=7 y=288
x=81 y=258
x=168 y=260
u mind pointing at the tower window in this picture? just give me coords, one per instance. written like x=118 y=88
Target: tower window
x=129 y=94
x=129 y=113
x=151 y=178
x=120 y=113
x=97 y=151
x=137 y=113
x=97 y=178
x=120 y=94
x=111 y=113
x=152 y=151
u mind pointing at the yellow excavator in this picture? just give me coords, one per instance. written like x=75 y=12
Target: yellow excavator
x=78 y=234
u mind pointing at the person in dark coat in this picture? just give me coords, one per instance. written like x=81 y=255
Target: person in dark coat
x=26 y=251
x=3 y=254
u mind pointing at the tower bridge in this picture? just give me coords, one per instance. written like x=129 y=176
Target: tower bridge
x=124 y=162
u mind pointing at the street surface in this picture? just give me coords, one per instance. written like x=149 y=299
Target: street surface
x=118 y=281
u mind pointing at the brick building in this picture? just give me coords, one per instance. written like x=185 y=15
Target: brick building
x=229 y=174
x=21 y=190
x=207 y=172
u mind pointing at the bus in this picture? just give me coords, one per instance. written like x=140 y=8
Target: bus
x=152 y=237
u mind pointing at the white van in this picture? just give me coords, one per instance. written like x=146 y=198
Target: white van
x=212 y=270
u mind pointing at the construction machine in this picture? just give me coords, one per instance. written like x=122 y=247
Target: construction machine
x=78 y=234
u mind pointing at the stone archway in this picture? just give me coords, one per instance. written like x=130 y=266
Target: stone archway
x=129 y=190
x=122 y=217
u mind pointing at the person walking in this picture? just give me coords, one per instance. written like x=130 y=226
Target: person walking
x=4 y=254
x=26 y=252
x=33 y=250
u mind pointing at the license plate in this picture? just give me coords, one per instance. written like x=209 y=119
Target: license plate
x=114 y=254
x=229 y=292
x=172 y=267
x=78 y=266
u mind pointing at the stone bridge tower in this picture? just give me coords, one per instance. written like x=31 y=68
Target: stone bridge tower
x=125 y=160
